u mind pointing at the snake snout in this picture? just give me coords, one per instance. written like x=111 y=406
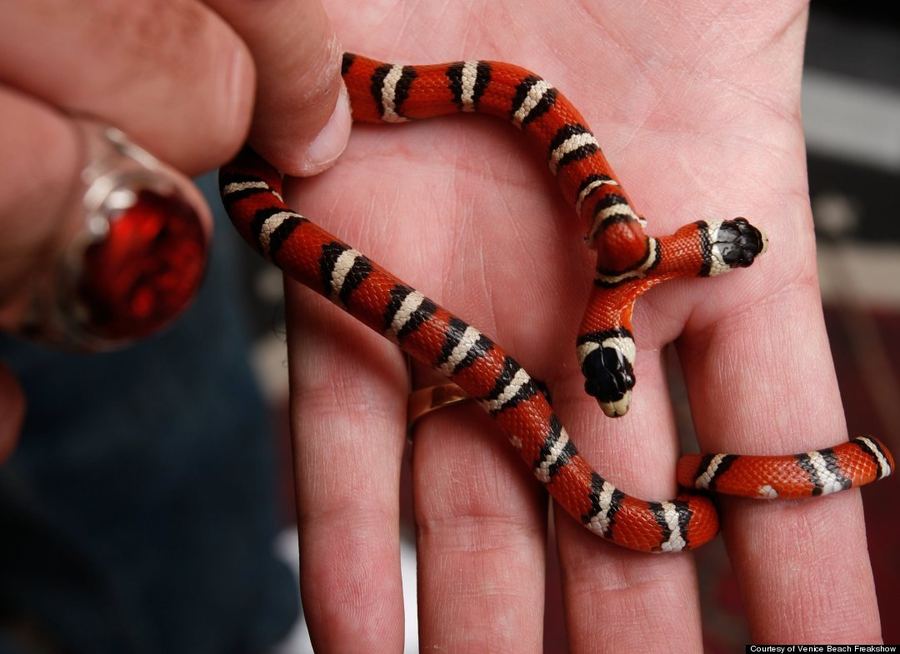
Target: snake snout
x=739 y=242
x=609 y=377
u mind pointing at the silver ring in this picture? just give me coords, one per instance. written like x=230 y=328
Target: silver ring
x=135 y=260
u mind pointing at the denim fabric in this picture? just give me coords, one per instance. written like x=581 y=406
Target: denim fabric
x=138 y=512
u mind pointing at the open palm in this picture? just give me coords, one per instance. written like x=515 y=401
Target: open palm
x=697 y=107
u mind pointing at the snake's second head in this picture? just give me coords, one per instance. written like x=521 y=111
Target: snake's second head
x=607 y=361
x=734 y=244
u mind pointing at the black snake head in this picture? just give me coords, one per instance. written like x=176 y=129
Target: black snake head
x=739 y=243
x=609 y=377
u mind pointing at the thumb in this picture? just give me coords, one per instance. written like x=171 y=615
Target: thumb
x=301 y=119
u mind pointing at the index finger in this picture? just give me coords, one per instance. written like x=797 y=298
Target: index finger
x=172 y=75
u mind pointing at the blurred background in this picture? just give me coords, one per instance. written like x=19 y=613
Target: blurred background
x=99 y=553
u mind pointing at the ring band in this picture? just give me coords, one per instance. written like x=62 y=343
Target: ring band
x=423 y=401
x=138 y=256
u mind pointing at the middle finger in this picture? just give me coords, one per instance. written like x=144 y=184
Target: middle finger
x=616 y=599
x=481 y=537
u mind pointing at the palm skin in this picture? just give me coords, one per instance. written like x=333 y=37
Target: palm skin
x=697 y=108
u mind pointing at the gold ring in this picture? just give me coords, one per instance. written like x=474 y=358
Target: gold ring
x=423 y=401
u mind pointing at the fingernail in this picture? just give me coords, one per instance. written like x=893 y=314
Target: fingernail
x=330 y=143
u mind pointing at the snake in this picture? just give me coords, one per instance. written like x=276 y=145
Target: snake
x=629 y=262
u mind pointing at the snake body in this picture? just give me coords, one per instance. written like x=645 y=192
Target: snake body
x=629 y=262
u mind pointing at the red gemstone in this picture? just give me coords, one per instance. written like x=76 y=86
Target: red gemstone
x=146 y=270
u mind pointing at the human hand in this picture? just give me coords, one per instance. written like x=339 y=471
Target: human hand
x=697 y=108
x=180 y=79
